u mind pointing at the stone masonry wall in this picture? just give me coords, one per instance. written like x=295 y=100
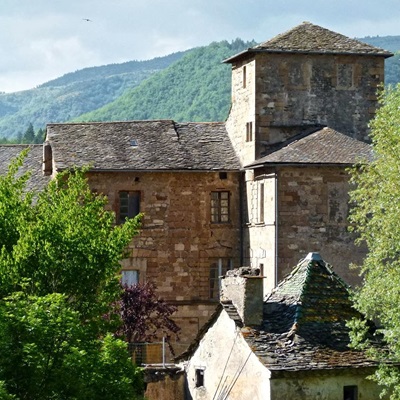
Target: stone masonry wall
x=243 y=111
x=313 y=210
x=177 y=242
x=299 y=90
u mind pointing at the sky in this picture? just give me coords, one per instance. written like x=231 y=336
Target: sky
x=41 y=40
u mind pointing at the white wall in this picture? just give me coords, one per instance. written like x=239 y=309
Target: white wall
x=239 y=369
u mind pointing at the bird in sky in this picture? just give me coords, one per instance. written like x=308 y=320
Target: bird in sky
x=87 y=19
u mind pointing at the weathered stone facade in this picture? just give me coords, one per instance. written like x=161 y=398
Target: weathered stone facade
x=177 y=241
x=278 y=178
x=305 y=209
x=285 y=90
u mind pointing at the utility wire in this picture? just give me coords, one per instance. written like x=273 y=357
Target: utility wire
x=223 y=372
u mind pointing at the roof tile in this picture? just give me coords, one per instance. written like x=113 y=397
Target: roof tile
x=159 y=145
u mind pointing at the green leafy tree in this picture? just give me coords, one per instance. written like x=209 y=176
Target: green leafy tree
x=59 y=276
x=376 y=218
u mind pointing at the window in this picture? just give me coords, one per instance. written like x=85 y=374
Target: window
x=244 y=77
x=261 y=202
x=199 y=377
x=218 y=269
x=129 y=205
x=350 y=393
x=219 y=207
x=129 y=277
x=249 y=131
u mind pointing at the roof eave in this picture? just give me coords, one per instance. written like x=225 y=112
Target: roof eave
x=251 y=51
x=127 y=170
x=295 y=164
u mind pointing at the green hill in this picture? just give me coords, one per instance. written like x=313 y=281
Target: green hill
x=186 y=86
x=73 y=94
x=195 y=88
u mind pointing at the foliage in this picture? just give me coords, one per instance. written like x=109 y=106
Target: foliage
x=375 y=216
x=144 y=315
x=59 y=266
x=73 y=94
x=195 y=88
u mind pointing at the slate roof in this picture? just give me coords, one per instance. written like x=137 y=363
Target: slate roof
x=325 y=146
x=33 y=163
x=313 y=39
x=304 y=324
x=161 y=145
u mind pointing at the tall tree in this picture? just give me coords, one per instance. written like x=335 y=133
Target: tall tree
x=29 y=135
x=376 y=217
x=59 y=276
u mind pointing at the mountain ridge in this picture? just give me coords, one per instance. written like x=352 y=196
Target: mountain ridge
x=192 y=85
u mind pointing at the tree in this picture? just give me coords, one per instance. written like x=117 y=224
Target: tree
x=29 y=135
x=375 y=216
x=59 y=276
x=144 y=315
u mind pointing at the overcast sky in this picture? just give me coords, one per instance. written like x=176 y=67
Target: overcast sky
x=43 y=39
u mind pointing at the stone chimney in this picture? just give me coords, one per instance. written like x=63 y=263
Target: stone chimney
x=244 y=287
x=47 y=166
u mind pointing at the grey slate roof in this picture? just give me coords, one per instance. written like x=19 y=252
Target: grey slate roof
x=32 y=163
x=313 y=39
x=161 y=145
x=305 y=322
x=325 y=146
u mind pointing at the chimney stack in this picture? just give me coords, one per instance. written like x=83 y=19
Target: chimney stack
x=244 y=287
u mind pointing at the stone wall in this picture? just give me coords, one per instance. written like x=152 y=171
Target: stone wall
x=313 y=210
x=305 y=210
x=294 y=91
x=324 y=385
x=231 y=369
x=177 y=242
x=243 y=111
x=166 y=383
x=286 y=94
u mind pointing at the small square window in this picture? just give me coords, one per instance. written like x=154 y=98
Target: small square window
x=199 y=377
x=350 y=393
x=129 y=277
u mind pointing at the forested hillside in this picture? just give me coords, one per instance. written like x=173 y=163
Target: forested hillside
x=187 y=86
x=392 y=64
x=73 y=94
x=195 y=88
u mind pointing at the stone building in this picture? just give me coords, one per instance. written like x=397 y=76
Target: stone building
x=292 y=345
x=184 y=178
x=295 y=99
x=261 y=189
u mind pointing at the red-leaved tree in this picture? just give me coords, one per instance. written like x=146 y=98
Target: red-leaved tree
x=145 y=316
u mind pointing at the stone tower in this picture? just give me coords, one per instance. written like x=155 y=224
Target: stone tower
x=304 y=78
x=301 y=104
